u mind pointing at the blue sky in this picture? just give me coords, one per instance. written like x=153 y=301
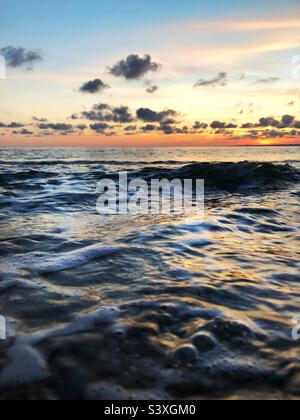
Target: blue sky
x=49 y=20
x=192 y=39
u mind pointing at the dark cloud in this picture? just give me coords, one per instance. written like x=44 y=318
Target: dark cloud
x=93 y=116
x=81 y=127
x=152 y=89
x=18 y=57
x=61 y=127
x=134 y=67
x=272 y=128
x=220 y=80
x=248 y=125
x=39 y=119
x=171 y=129
x=183 y=130
x=149 y=127
x=200 y=126
x=167 y=129
x=274 y=133
x=105 y=113
x=99 y=127
x=101 y=107
x=121 y=115
x=147 y=115
x=23 y=132
x=296 y=124
x=14 y=125
x=218 y=125
x=268 y=122
x=94 y=86
x=130 y=128
x=288 y=120
x=267 y=80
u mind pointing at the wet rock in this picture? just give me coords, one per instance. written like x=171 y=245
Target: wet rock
x=295 y=385
x=204 y=342
x=185 y=355
x=104 y=392
x=142 y=330
x=230 y=331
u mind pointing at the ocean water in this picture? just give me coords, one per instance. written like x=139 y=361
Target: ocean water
x=150 y=307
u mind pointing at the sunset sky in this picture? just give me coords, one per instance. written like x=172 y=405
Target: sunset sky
x=141 y=73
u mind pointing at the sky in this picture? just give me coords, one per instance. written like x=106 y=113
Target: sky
x=138 y=73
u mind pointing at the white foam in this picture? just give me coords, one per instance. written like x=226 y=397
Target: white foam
x=45 y=263
x=13 y=278
x=26 y=364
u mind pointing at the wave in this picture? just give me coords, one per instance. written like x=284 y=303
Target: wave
x=227 y=176
x=231 y=176
x=40 y=262
x=27 y=175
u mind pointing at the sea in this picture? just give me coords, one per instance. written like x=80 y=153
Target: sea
x=141 y=306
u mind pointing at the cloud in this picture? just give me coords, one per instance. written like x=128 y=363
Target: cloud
x=61 y=127
x=134 y=67
x=149 y=127
x=39 y=119
x=170 y=129
x=274 y=133
x=268 y=122
x=231 y=126
x=94 y=86
x=152 y=89
x=74 y=117
x=130 y=128
x=218 y=125
x=247 y=126
x=147 y=115
x=99 y=127
x=286 y=121
x=12 y=125
x=106 y=113
x=220 y=80
x=18 y=57
x=23 y=132
x=200 y=126
x=121 y=114
x=267 y=81
x=81 y=127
